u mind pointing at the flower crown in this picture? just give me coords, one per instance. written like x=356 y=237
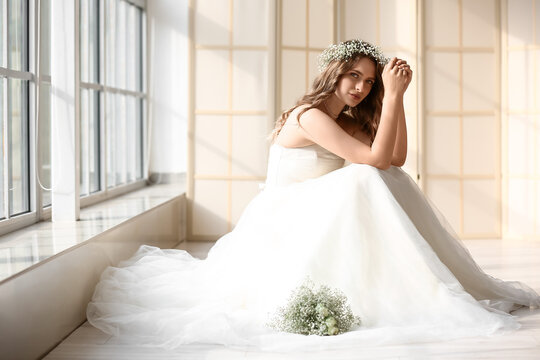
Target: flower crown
x=347 y=50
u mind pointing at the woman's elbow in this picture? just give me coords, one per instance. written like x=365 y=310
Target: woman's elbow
x=399 y=162
x=379 y=162
x=382 y=165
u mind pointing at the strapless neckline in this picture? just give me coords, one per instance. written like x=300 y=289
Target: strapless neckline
x=292 y=165
x=318 y=148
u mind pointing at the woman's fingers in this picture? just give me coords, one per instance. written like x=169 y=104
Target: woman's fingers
x=398 y=65
x=401 y=62
x=391 y=64
x=397 y=75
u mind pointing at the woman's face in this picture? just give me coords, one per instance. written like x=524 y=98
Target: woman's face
x=355 y=84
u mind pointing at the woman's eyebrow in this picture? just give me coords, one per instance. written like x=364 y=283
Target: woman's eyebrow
x=362 y=74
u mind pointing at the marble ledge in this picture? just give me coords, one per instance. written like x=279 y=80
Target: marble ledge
x=22 y=249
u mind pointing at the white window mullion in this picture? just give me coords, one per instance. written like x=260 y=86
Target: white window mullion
x=7 y=119
x=85 y=76
x=84 y=142
x=33 y=89
x=121 y=133
x=145 y=108
x=65 y=89
x=5 y=143
x=16 y=74
x=102 y=142
x=129 y=84
x=5 y=155
x=102 y=97
x=35 y=61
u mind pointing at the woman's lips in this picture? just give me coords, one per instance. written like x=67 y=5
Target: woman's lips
x=356 y=97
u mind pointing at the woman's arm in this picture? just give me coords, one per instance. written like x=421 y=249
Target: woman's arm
x=383 y=144
x=400 y=146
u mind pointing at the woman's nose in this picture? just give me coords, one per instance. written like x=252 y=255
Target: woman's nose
x=360 y=86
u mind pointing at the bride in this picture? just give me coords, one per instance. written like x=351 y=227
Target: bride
x=365 y=229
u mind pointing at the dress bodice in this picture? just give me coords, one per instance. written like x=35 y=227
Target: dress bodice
x=290 y=165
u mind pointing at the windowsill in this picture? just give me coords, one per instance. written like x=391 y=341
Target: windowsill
x=26 y=248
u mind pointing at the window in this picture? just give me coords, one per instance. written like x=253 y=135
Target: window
x=112 y=104
x=14 y=109
x=91 y=92
x=43 y=127
x=112 y=98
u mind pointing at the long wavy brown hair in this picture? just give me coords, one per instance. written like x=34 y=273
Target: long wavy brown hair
x=366 y=114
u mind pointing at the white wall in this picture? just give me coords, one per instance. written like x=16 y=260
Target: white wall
x=168 y=84
x=232 y=94
x=468 y=108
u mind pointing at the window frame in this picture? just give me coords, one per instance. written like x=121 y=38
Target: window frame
x=37 y=212
x=11 y=223
x=103 y=89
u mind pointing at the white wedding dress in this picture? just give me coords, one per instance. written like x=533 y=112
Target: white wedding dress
x=370 y=233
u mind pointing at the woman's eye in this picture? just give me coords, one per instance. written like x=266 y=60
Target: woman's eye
x=371 y=82
x=354 y=75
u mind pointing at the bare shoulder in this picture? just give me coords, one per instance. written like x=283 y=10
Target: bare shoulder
x=293 y=119
x=313 y=115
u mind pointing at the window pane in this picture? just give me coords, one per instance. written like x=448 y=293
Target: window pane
x=121 y=42
x=111 y=160
x=18 y=146
x=89 y=155
x=94 y=140
x=131 y=138
x=123 y=113
x=132 y=59
x=120 y=139
x=2 y=20
x=45 y=35
x=138 y=53
x=44 y=142
x=89 y=41
x=110 y=41
x=139 y=146
x=17 y=35
x=2 y=147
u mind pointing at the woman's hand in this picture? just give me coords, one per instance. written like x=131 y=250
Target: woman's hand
x=406 y=69
x=397 y=76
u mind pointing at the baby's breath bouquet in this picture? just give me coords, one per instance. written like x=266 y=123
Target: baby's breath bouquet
x=309 y=311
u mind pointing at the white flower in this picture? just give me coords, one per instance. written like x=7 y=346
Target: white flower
x=330 y=322
x=323 y=311
x=333 y=331
x=347 y=50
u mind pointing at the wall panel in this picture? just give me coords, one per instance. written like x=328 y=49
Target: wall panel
x=391 y=25
x=229 y=116
x=521 y=119
x=307 y=28
x=462 y=127
x=472 y=109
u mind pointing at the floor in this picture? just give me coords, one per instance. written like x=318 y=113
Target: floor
x=508 y=260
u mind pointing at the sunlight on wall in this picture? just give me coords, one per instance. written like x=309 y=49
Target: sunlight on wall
x=230 y=117
x=472 y=108
x=521 y=119
x=462 y=120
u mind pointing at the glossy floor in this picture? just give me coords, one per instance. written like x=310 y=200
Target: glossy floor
x=507 y=260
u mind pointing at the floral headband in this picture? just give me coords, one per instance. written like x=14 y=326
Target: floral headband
x=347 y=50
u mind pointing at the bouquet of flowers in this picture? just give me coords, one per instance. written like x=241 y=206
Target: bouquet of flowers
x=309 y=311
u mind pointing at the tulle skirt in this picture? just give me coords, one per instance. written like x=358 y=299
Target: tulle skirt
x=367 y=232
